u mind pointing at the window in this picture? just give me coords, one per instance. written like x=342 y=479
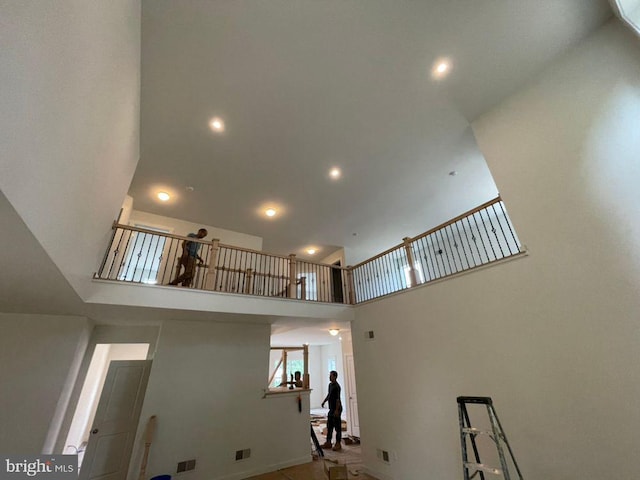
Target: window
x=292 y=367
x=284 y=363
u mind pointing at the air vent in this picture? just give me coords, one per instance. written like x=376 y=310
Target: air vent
x=383 y=455
x=243 y=454
x=186 y=466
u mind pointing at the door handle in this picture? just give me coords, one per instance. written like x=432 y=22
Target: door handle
x=94 y=431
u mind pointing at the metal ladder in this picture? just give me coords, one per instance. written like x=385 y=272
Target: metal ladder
x=473 y=468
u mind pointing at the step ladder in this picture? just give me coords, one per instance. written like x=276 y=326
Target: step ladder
x=496 y=434
x=316 y=443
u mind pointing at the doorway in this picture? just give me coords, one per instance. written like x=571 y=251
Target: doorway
x=85 y=412
x=336 y=282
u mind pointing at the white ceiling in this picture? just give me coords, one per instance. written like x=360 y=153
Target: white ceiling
x=305 y=85
x=288 y=332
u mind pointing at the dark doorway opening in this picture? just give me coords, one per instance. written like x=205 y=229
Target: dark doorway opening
x=336 y=282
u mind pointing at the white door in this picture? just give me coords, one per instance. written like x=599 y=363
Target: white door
x=352 y=396
x=116 y=421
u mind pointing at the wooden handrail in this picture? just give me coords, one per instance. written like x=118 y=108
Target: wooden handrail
x=429 y=232
x=276 y=255
x=458 y=218
x=161 y=234
x=221 y=245
x=253 y=272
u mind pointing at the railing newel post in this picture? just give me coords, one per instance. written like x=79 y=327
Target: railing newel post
x=351 y=286
x=210 y=282
x=292 y=276
x=413 y=278
x=284 y=368
x=248 y=281
x=303 y=288
x=305 y=358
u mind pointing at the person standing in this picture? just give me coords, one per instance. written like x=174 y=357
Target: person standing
x=188 y=259
x=335 y=410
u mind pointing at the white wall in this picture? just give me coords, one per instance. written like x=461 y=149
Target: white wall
x=316 y=377
x=39 y=357
x=181 y=227
x=336 y=256
x=206 y=388
x=69 y=131
x=553 y=337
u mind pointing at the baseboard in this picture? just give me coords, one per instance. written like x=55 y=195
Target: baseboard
x=266 y=469
x=376 y=474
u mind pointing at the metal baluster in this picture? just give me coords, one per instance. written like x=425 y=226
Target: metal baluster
x=455 y=250
x=106 y=255
x=497 y=217
x=115 y=253
x=444 y=253
x=513 y=236
x=475 y=221
x=488 y=237
x=462 y=242
x=494 y=231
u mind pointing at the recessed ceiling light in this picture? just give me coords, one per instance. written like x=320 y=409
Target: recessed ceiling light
x=189 y=189
x=270 y=212
x=335 y=173
x=164 y=196
x=441 y=68
x=311 y=251
x=216 y=124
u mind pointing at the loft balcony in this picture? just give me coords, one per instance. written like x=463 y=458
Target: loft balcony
x=477 y=238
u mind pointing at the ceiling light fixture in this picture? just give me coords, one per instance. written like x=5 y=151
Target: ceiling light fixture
x=335 y=173
x=270 y=212
x=441 y=68
x=311 y=251
x=216 y=124
x=163 y=196
x=334 y=331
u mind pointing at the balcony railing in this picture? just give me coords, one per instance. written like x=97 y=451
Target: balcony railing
x=476 y=238
x=139 y=255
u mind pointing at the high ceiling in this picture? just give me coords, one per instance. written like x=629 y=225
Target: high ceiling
x=306 y=85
